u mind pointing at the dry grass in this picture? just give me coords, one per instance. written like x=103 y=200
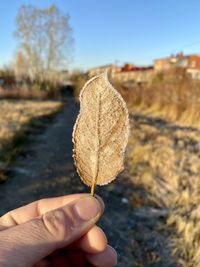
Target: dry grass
x=175 y=98
x=164 y=156
x=14 y=114
x=22 y=93
x=16 y=120
x=165 y=162
x=24 y=87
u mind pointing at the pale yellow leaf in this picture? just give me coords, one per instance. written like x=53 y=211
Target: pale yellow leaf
x=101 y=132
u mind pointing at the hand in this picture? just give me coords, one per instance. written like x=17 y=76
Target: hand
x=58 y=232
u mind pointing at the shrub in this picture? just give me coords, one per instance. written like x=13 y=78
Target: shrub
x=174 y=97
x=78 y=79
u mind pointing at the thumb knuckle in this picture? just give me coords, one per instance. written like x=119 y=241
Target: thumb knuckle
x=58 y=224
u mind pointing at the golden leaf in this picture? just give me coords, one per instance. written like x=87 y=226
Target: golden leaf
x=100 y=133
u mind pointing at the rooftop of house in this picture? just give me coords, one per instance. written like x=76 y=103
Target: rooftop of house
x=177 y=56
x=173 y=58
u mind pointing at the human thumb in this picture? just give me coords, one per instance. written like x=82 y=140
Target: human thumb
x=31 y=241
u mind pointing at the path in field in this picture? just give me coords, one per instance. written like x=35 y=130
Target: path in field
x=47 y=170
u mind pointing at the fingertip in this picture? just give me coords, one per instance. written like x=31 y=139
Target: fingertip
x=94 y=241
x=87 y=208
x=101 y=202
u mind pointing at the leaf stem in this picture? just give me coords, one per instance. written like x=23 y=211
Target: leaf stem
x=92 y=189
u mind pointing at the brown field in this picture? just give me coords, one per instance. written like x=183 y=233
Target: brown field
x=22 y=93
x=174 y=97
x=14 y=114
x=164 y=163
x=17 y=120
x=164 y=158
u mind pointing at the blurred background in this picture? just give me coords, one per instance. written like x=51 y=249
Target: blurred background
x=151 y=49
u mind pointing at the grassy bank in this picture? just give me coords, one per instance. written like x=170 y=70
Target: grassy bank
x=20 y=122
x=173 y=97
x=164 y=158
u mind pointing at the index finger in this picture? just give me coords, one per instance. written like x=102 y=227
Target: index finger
x=35 y=209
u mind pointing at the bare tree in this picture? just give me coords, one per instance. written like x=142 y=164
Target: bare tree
x=20 y=66
x=45 y=39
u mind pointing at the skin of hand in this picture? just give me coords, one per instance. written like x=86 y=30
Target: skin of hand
x=55 y=232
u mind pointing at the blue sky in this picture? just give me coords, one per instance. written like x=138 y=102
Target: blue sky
x=106 y=31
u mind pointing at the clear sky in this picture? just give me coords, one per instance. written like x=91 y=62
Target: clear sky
x=109 y=31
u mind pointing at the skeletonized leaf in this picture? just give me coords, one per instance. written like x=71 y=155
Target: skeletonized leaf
x=100 y=133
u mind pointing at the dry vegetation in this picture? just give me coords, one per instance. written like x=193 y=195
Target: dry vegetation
x=13 y=87
x=23 y=93
x=164 y=160
x=15 y=118
x=164 y=157
x=15 y=113
x=173 y=96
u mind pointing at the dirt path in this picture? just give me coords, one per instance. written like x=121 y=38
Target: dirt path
x=47 y=170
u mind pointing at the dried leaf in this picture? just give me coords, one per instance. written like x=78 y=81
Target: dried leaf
x=100 y=133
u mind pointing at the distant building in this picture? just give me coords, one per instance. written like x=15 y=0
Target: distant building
x=164 y=64
x=139 y=75
x=128 y=67
x=126 y=73
x=192 y=65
